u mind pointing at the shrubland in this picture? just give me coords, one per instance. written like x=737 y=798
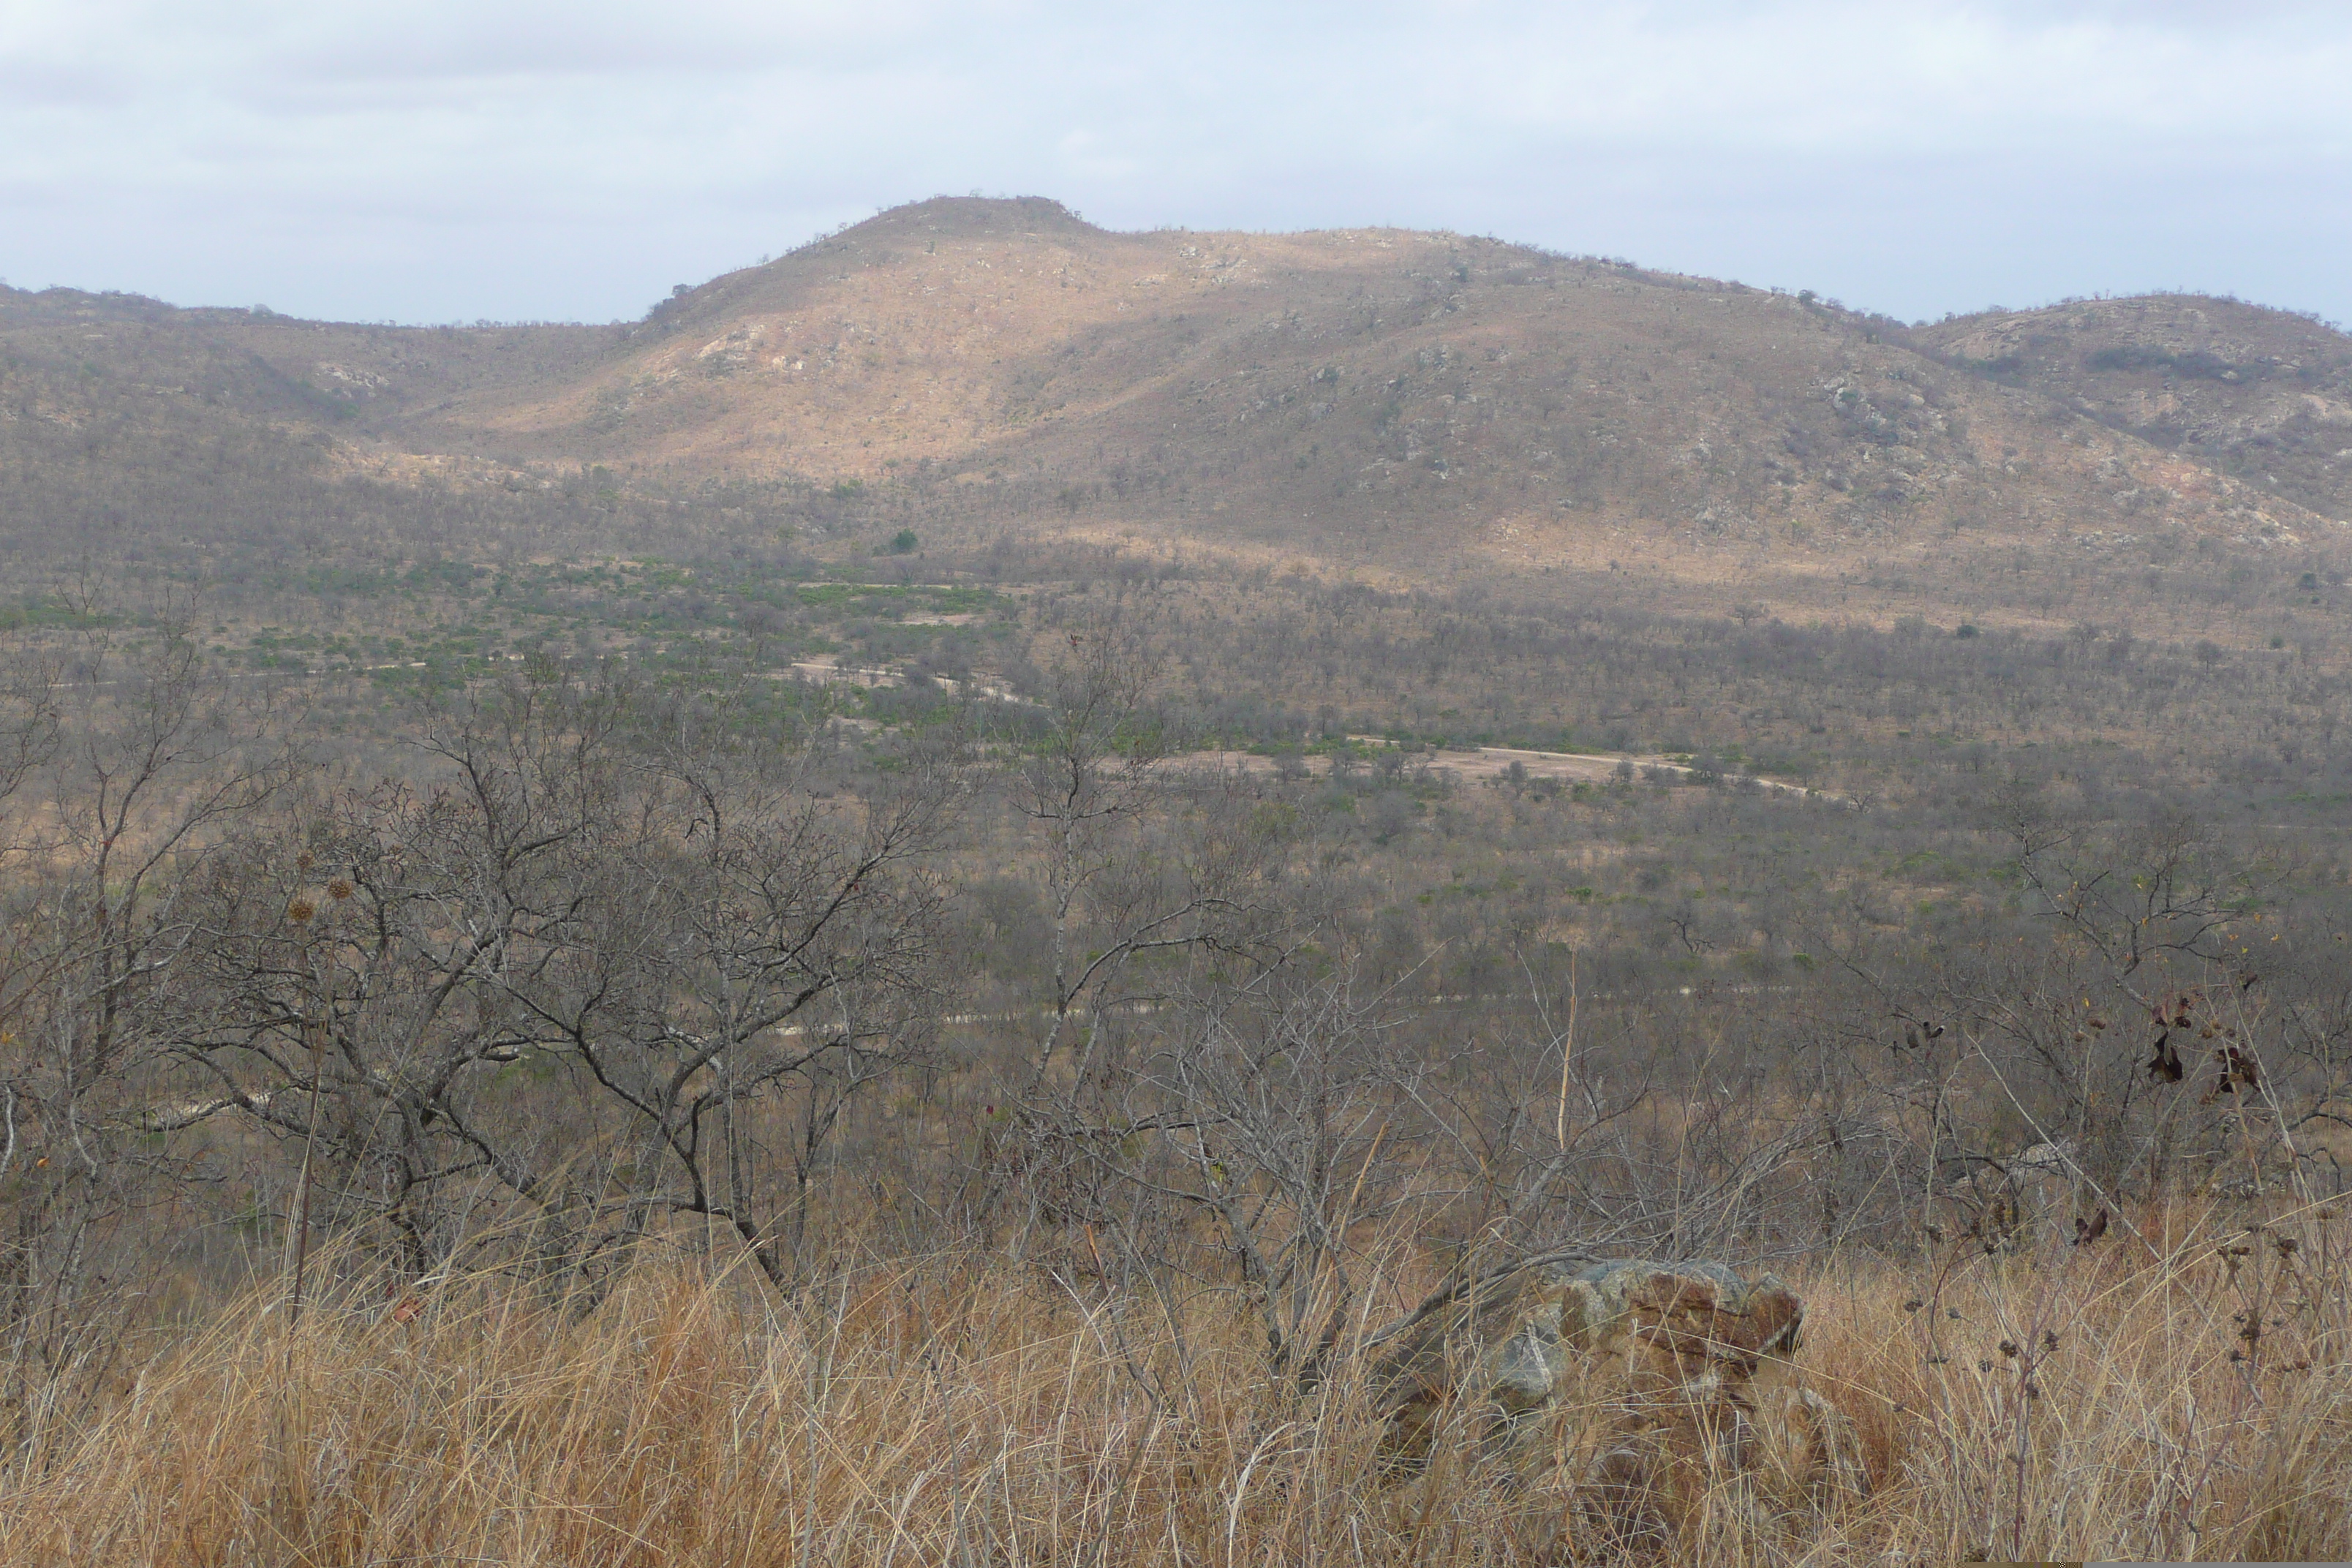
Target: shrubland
x=877 y=915
x=535 y=1102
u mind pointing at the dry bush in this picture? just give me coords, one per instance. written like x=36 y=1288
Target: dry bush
x=963 y=1410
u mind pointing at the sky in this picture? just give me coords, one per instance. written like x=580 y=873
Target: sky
x=513 y=160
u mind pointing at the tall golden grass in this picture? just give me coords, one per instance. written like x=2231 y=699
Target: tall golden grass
x=964 y=1410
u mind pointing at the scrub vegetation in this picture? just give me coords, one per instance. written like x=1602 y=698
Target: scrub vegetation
x=567 y=996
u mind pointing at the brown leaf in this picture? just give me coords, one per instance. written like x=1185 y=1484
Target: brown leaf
x=2237 y=1068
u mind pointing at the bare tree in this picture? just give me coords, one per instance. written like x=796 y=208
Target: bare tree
x=154 y=761
x=596 y=892
x=1091 y=783
x=754 y=958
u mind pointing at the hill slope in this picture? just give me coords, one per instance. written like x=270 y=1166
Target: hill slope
x=1416 y=406
x=2263 y=395
x=1377 y=392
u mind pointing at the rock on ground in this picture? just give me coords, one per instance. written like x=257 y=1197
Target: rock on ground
x=1626 y=1382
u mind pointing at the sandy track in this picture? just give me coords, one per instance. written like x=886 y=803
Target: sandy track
x=1482 y=764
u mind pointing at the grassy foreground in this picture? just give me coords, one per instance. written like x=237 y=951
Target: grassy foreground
x=2170 y=1396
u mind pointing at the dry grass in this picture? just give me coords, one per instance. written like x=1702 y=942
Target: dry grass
x=959 y=1411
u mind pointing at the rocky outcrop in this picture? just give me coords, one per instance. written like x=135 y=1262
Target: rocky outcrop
x=1621 y=1381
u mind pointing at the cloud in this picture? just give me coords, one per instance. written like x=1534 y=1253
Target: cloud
x=440 y=159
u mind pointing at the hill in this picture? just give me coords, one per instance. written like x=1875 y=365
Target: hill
x=218 y=439
x=1413 y=403
x=2264 y=395
x=1403 y=406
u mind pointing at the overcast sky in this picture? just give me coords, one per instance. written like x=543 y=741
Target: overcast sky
x=448 y=160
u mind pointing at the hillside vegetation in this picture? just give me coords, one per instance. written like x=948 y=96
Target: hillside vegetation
x=2262 y=396
x=1411 y=407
